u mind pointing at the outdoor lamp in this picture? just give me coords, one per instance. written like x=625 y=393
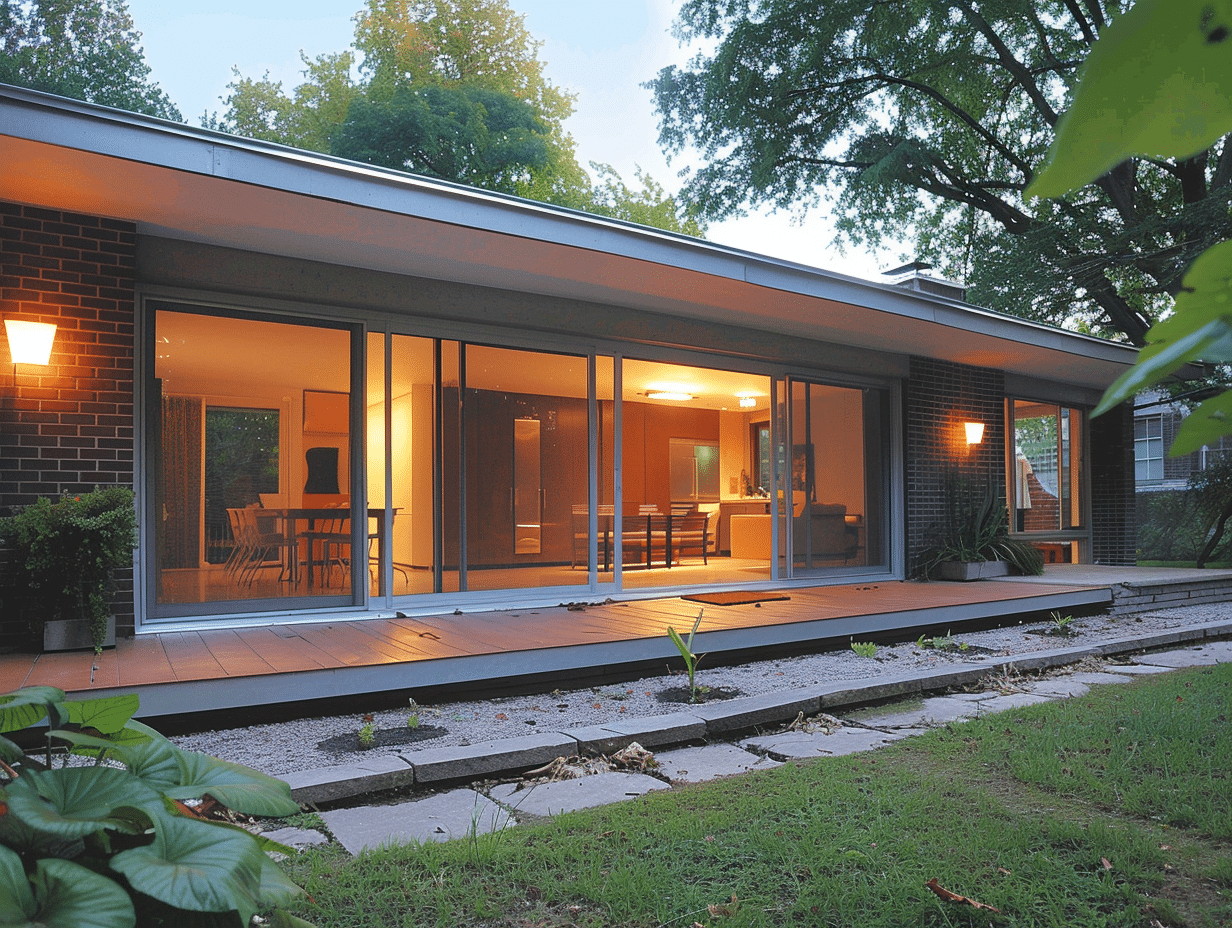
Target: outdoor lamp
x=975 y=432
x=29 y=342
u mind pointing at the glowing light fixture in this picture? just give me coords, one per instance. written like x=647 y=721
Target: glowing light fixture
x=29 y=342
x=975 y=432
x=747 y=399
x=669 y=395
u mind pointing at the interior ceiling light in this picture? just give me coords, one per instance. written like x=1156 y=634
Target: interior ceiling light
x=669 y=395
x=747 y=402
x=672 y=390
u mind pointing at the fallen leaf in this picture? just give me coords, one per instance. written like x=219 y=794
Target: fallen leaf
x=727 y=909
x=1003 y=871
x=1106 y=863
x=954 y=897
x=501 y=716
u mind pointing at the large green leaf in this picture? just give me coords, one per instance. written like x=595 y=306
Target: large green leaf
x=1204 y=425
x=10 y=752
x=27 y=706
x=234 y=785
x=155 y=761
x=107 y=714
x=196 y=866
x=70 y=896
x=73 y=802
x=1158 y=83
x=17 y=906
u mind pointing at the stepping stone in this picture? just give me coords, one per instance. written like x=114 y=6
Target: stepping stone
x=296 y=837
x=458 y=813
x=798 y=744
x=923 y=713
x=1009 y=701
x=696 y=765
x=1136 y=670
x=599 y=789
x=1203 y=655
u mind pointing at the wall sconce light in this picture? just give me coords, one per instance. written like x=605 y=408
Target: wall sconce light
x=975 y=432
x=29 y=342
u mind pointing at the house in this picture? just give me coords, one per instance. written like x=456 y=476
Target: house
x=338 y=389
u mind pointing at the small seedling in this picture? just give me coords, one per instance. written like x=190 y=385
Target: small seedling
x=685 y=648
x=412 y=721
x=1061 y=625
x=865 y=648
x=367 y=736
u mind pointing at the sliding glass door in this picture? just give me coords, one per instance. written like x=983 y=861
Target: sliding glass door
x=839 y=477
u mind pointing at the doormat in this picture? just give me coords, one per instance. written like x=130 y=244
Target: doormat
x=734 y=599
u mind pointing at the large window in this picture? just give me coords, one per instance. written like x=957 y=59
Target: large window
x=1046 y=475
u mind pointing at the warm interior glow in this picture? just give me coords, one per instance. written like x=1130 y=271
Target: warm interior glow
x=975 y=432
x=29 y=342
x=747 y=402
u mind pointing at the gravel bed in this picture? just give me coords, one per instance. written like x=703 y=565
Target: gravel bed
x=284 y=747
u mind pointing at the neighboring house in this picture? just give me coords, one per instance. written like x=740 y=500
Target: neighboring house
x=1156 y=421
x=338 y=389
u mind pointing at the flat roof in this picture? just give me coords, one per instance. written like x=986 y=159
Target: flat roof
x=199 y=185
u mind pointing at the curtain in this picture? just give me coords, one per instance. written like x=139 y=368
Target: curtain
x=181 y=456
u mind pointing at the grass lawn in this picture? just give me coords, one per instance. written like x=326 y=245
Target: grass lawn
x=1114 y=809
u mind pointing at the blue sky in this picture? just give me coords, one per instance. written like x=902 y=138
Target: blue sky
x=602 y=50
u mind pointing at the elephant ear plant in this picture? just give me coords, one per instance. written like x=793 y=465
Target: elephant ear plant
x=106 y=824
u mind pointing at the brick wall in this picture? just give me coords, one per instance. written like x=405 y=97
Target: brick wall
x=1112 y=488
x=67 y=427
x=939 y=397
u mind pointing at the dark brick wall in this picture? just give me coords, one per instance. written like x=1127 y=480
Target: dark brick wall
x=1112 y=488
x=68 y=427
x=939 y=397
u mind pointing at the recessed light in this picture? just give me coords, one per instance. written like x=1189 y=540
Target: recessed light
x=669 y=395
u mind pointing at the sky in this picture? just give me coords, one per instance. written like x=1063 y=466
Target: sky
x=600 y=50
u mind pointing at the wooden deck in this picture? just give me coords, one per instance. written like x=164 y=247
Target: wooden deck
x=229 y=668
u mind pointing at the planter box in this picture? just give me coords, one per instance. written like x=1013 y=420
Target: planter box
x=971 y=570
x=74 y=634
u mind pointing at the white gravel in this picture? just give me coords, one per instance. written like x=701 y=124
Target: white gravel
x=288 y=746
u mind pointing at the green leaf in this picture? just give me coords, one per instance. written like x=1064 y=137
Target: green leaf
x=196 y=866
x=1200 y=329
x=17 y=906
x=155 y=761
x=1158 y=83
x=10 y=752
x=277 y=889
x=70 y=896
x=679 y=643
x=108 y=714
x=1205 y=425
x=73 y=802
x=27 y=706
x=234 y=785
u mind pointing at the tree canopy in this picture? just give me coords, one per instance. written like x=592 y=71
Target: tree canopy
x=452 y=89
x=928 y=119
x=85 y=49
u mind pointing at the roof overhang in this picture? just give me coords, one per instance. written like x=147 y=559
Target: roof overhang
x=179 y=182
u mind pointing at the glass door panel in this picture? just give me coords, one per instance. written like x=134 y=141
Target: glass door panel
x=691 y=440
x=836 y=501
x=527 y=465
x=249 y=456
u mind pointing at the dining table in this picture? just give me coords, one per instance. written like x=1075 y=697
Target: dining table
x=290 y=517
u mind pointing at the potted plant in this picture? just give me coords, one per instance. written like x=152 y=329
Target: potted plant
x=973 y=539
x=64 y=553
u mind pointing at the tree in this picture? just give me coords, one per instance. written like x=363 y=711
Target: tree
x=451 y=89
x=929 y=118
x=462 y=133
x=85 y=49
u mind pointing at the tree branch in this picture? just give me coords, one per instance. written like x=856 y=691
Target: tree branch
x=1012 y=65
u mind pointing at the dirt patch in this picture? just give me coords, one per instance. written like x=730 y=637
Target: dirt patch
x=348 y=742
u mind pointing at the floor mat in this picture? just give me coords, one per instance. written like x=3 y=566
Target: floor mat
x=734 y=598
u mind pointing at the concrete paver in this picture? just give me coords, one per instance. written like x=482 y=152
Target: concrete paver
x=599 y=789
x=697 y=765
x=1203 y=655
x=799 y=744
x=295 y=837
x=455 y=814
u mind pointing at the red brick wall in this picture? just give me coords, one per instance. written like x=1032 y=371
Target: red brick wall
x=68 y=427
